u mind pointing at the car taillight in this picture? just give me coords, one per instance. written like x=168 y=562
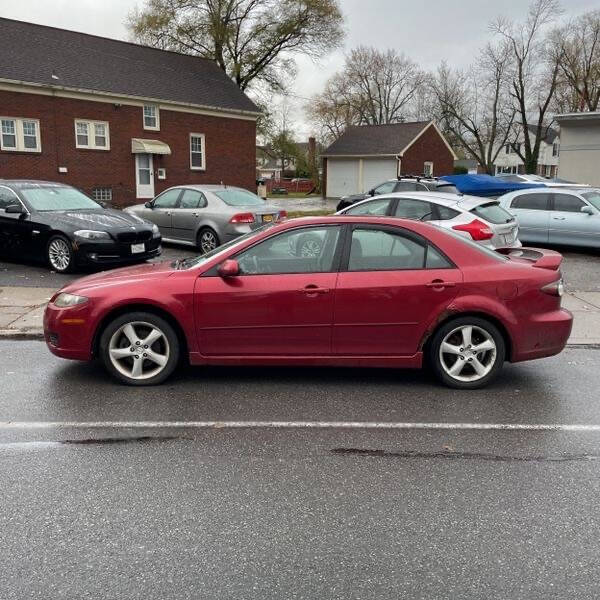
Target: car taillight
x=283 y=214
x=556 y=288
x=477 y=229
x=242 y=218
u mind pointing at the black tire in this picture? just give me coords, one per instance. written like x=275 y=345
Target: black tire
x=203 y=236
x=159 y=347
x=59 y=249
x=487 y=358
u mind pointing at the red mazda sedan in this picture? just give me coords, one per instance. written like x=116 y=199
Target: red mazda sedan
x=346 y=291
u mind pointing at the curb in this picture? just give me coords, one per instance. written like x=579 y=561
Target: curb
x=8 y=334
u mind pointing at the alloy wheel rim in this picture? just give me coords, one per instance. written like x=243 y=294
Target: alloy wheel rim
x=468 y=353
x=59 y=254
x=139 y=350
x=208 y=242
x=310 y=249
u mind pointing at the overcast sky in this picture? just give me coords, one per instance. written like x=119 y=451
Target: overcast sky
x=428 y=31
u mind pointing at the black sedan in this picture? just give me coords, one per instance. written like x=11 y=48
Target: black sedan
x=60 y=225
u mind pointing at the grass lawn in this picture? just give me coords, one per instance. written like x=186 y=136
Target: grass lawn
x=292 y=214
x=292 y=195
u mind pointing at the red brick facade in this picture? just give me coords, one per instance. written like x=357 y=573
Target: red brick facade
x=229 y=146
x=429 y=147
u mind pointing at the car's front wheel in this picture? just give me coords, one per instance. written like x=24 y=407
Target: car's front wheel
x=139 y=348
x=467 y=353
x=59 y=254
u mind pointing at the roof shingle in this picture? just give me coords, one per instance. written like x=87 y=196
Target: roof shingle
x=34 y=53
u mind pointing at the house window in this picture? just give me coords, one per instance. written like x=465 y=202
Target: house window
x=92 y=135
x=22 y=135
x=428 y=168
x=197 y=152
x=102 y=194
x=151 y=117
x=555 y=149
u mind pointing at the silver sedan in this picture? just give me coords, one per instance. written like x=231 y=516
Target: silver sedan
x=206 y=216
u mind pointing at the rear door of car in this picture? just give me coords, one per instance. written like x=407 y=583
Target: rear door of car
x=532 y=211
x=568 y=225
x=187 y=215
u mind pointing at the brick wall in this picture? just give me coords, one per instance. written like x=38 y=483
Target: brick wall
x=230 y=146
x=429 y=147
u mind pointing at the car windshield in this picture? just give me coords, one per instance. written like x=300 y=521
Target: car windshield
x=492 y=212
x=593 y=198
x=46 y=198
x=475 y=246
x=202 y=258
x=237 y=197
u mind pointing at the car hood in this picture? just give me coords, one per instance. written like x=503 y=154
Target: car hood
x=101 y=220
x=355 y=197
x=120 y=276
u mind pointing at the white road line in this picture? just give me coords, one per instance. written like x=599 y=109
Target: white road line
x=24 y=425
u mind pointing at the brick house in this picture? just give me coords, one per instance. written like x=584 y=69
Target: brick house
x=120 y=121
x=364 y=156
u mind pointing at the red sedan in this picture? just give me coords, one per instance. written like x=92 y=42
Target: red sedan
x=349 y=291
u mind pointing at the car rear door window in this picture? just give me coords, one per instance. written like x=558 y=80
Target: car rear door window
x=435 y=260
x=445 y=214
x=192 y=199
x=419 y=210
x=373 y=207
x=167 y=199
x=492 y=212
x=532 y=202
x=567 y=203
x=383 y=250
x=305 y=250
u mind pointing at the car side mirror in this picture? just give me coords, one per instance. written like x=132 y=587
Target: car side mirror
x=230 y=268
x=371 y=192
x=588 y=210
x=149 y=204
x=15 y=209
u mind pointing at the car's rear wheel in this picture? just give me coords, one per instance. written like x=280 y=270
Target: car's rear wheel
x=207 y=240
x=467 y=352
x=59 y=254
x=139 y=348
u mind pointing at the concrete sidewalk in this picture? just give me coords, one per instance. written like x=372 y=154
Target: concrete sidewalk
x=22 y=309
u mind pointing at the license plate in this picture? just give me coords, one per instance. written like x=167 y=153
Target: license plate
x=137 y=248
x=267 y=218
x=509 y=238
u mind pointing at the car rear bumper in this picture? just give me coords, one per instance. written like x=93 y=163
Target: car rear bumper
x=68 y=331
x=543 y=335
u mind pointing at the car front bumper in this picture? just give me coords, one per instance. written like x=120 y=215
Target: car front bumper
x=69 y=331
x=110 y=252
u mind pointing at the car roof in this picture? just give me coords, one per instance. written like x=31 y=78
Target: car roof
x=450 y=200
x=416 y=179
x=25 y=182
x=546 y=190
x=209 y=187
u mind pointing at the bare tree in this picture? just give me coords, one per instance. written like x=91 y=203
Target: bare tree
x=576 y=48
x=374 y=88
x=473 y=107
x=534 y=76
x=251 y=40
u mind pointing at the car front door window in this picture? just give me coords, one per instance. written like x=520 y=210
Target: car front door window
x=568 y=203
x=167 y=199
x=306 y=250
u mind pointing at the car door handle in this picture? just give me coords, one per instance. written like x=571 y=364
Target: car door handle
x=559 y=218
x=314 y=290
x=439 y=284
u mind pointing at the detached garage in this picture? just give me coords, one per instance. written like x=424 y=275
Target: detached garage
x=365 y=156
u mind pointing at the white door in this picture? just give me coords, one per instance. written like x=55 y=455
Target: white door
x=342 y=177
x=144 y=176
x=378 y=170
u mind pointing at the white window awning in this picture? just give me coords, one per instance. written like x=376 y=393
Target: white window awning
x=142 y=146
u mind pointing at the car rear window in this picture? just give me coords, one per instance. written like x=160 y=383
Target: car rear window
x=447 y=189
x=492 y=212
x=235 y=197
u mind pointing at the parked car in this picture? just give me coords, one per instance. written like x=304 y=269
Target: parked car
x=479 y=219
x=61 y=226
x=556 y=216
x=531 y=178
x=381 y=292
x=206 y=216
x=401 y=184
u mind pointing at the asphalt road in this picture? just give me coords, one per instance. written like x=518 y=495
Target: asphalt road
x=580 y=269
x=152 y=511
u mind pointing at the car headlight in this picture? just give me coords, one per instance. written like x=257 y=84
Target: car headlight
x=63 y=300
x=90 y=234
x=155 y=230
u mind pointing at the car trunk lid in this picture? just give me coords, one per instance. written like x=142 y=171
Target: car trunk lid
x=536 y=257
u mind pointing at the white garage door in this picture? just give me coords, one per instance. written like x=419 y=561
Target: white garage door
x=342 y=177
x=377 y=170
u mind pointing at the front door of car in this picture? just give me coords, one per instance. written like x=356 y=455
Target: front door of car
x=568 y=225
x=280 y=304
x=392 y=285
x=188 y=213
x=162 y=211
x=16 y=229
x=532 y=212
